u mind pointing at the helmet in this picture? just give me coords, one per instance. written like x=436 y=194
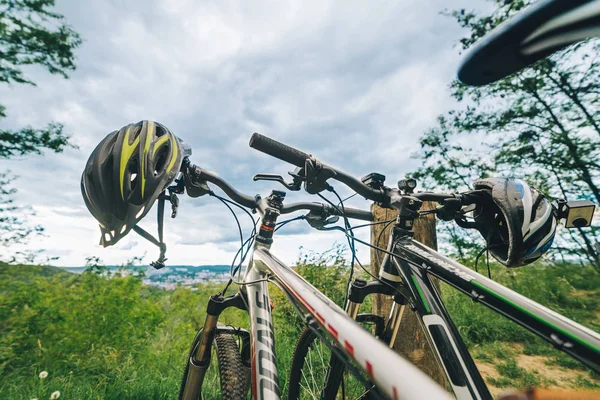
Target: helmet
x=518 y=223
x=126 y=173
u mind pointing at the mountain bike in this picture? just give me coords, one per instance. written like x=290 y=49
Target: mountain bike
x=335 y=344
x=245 y=356
x=336 y=357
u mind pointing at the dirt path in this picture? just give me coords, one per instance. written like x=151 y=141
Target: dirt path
x=551 y=375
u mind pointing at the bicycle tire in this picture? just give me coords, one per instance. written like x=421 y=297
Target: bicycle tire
x=303 y=345
x=232 y=377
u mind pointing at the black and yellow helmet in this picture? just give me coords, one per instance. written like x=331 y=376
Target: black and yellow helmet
x=126 y=173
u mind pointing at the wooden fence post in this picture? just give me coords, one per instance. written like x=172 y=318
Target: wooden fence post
x=410 y=342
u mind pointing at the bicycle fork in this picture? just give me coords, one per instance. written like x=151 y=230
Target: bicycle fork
x=360 y=289
x=199 y=361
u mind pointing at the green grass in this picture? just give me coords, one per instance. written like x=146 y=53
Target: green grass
x=514 y=376
x=114 y=338
x=491 y=351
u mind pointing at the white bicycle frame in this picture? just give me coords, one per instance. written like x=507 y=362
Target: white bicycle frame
x=393 y=375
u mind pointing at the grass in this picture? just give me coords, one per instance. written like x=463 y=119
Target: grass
x=117 y=339
x=514 y=376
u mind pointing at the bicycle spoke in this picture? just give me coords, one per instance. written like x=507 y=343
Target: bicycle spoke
x=315 y=369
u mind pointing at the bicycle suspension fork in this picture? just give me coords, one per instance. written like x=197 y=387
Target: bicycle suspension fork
x=200 y=358
x=390 y=284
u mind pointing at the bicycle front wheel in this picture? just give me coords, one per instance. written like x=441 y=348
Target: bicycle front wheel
x=227 y=380
x=318 y=373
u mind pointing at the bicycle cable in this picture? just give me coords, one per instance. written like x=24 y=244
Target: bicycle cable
x=378 y=241
x=353 y=249
x=243 y=243
x=417 y=265
x=283 y=223
x=348 y=228
x=248 y=243
x=485 y=250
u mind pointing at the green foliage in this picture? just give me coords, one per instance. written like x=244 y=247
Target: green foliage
x=31 y=141
x=113 y=338
x=515 y=376
x=13 y=218
x=96 y=324
x=30 y=34
x=97 y=337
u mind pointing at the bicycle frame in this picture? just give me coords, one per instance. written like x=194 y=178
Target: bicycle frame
x=408 y=269
x=392 y=374
x=412 y=267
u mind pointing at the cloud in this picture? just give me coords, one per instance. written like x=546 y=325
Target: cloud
x=354 y=83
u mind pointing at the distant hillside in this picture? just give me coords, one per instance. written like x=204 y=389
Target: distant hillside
x=150 y=270
x=169 y=277
x=26 y=272
x=13 y=275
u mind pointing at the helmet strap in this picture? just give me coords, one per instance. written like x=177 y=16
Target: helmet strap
x=160 y=263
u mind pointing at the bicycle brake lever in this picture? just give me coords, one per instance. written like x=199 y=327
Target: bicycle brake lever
x=294 y=186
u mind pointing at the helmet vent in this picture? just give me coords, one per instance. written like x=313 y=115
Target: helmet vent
x=161 y=160
x=133 y=173
x=123 y=229
x=140 y=213
x=107 y=237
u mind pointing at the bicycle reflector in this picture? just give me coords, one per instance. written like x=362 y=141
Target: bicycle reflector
x=578 y=214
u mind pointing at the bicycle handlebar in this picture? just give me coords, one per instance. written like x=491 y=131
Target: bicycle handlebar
x=298 y=158
x=254 y=202
x=240 y=198
x=385 y=196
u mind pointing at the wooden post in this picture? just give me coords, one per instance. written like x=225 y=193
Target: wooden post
x=410 y=342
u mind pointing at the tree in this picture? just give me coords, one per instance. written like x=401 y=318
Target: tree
x=30 y=34
x=542 y=124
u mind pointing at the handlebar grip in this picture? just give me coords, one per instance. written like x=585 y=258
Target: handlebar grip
x=278 y=150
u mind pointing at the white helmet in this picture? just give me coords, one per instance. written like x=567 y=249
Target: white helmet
x=518 y=225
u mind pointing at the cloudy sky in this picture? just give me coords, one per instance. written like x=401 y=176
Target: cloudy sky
x=355 y=83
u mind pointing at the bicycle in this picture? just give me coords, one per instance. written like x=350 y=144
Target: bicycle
x=405 y=274
x=257 y=348
x=407 y=267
